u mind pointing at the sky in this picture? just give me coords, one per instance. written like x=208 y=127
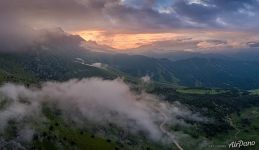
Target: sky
x=145 y=24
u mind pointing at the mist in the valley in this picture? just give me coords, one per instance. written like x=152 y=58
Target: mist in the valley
x=96 y=100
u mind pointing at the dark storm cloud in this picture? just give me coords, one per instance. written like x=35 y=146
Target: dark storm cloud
x=68 y=13
x=194 y=12
x=133 y=15
x=85 y=14
x=220 y=13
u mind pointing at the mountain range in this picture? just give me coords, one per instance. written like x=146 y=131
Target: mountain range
x=54 y=58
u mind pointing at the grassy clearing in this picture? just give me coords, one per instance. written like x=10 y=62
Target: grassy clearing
x=254 y=92
x=200 y=91
x=246 y=128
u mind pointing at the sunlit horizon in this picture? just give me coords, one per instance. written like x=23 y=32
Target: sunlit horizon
x=124 y=41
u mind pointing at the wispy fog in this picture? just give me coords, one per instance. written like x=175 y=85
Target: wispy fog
x=96 y=100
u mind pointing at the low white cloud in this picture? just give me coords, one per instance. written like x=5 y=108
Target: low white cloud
x=146 y=79
x=99 y=65
x=96 y=100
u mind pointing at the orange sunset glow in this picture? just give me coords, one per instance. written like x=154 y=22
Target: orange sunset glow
x=124 y=41
x=128 y=41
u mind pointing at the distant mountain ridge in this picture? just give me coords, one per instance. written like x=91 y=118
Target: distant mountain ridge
x=53 y=58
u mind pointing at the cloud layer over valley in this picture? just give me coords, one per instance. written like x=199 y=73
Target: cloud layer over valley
x=95 y=100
